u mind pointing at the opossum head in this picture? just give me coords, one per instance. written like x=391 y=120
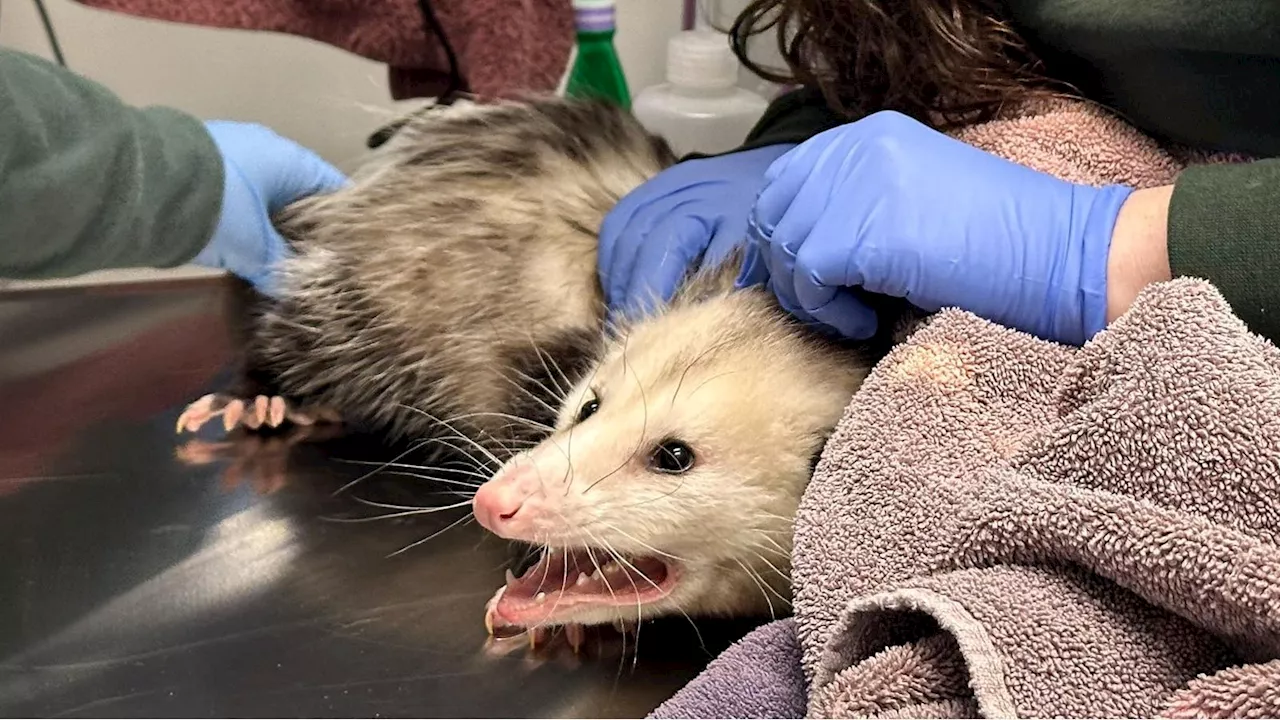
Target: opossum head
x=672 y=476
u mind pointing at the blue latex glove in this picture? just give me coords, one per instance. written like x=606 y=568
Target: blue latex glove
x=263 y=173
x=896 y=208
x=692 y=213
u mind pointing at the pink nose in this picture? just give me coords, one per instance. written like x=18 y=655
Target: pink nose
x=502 y=504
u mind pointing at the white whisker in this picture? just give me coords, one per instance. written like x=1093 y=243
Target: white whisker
x=388 y=516
x=760 y=585
x=464 y=519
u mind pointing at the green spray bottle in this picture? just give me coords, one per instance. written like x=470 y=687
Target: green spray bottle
x=596 y=71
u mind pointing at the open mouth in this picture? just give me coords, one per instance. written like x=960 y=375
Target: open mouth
x=564 y=582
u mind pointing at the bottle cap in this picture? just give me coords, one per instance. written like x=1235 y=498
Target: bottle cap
x=701 y=59
x=593 y=15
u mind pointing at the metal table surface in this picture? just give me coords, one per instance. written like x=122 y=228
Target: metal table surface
x=142 y=579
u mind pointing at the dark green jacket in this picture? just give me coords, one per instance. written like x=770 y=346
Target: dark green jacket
x=1204 y=73
x=88 y=183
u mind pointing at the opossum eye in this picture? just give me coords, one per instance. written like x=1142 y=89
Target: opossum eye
x=588 y=409
x=672 y=456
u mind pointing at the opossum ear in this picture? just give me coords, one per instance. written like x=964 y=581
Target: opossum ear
x=710 y=282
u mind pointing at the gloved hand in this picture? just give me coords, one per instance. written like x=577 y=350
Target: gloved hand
x=896 y=208
x=696 y=210
x=263 y=173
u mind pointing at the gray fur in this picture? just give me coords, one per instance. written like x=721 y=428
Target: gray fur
x=457 y=273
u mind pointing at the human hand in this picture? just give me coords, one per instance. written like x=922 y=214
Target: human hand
x=896 y=208
x=263 y=172
x=694 y=210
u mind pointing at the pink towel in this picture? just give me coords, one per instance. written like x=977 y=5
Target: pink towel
x=1009 y=527
x=1084 y=143
x=503 y=47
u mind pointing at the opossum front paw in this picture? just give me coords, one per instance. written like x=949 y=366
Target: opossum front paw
x=251 y=414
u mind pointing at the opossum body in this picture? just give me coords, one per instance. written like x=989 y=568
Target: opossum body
x=450 y=292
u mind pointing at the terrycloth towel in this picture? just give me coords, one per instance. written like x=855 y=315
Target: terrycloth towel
x=1083 y=143
x=757 y=677
x=1002 y=526
x=1017 y=528
x=502 y=47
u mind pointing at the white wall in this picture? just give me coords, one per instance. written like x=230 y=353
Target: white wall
x=323 y=97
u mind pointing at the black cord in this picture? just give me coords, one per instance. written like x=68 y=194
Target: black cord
x=433 y=27
x=50 y=33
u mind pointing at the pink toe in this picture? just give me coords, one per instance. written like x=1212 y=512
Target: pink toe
x=277 y=411
x=232 y=414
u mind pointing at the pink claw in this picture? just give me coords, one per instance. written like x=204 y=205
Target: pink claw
x=196 y=414
x=231 y=414
x=277 y=410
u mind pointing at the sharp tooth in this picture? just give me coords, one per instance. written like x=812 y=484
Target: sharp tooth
x=595 y=575
x=490 y=609
x=582 y=579
x=611 y=567
x=574 y=634
x=536 y=636
x=511 y=578
x=540 y=598
x=551 y=552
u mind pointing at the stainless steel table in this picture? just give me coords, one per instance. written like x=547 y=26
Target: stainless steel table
x=138 y=583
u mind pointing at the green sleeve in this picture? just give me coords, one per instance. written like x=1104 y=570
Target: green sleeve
x=794 y=117
x=1224 y=227
x=89 y=183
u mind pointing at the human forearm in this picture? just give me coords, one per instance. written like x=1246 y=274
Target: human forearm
x=87 y=182
x=1139 y=254
x=1219 y=223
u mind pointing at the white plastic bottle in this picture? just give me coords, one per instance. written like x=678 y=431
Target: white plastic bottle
x=700 y=108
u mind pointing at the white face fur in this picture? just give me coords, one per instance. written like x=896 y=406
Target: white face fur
x=674 y=471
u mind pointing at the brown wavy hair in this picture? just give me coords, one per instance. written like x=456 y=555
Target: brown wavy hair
x=943 y=62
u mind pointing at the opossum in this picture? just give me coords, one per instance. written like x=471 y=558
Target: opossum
x=451 y=292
